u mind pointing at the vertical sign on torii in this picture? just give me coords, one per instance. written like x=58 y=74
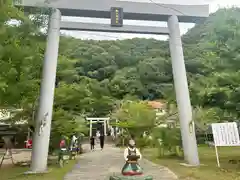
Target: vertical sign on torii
x=116 y=17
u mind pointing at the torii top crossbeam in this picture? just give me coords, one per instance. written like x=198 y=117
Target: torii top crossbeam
x=97 y=119
x=132 y=10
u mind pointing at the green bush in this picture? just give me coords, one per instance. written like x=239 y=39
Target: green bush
x=168 y=141
x=141 y=142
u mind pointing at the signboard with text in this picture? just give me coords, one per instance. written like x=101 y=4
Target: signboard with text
x=116 y=17
x=225 y=134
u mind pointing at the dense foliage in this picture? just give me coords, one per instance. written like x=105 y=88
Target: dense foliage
x=93 y=75
x=135 y=118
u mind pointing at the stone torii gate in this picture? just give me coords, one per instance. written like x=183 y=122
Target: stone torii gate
x=92 y=120
x=149 y=11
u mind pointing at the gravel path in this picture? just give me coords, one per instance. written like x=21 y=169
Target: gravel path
x=99 y=165
x=18 y=156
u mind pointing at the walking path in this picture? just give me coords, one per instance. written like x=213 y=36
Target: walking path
x=100 y=165
x=19 y=155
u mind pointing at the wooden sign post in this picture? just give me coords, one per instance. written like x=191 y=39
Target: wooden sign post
x=225 y=134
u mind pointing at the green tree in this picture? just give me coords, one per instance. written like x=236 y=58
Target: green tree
x=135 y=117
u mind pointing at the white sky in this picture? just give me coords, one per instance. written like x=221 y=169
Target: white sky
x=214 y=5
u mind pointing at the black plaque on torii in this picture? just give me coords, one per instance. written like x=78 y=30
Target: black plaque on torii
x=116 y=16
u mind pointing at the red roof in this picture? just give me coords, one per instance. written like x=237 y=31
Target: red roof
x=156 y=104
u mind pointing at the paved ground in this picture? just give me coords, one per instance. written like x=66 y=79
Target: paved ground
x=18 y=156
x=99 y=165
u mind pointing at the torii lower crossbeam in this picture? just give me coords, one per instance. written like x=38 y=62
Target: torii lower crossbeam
x=80 y=26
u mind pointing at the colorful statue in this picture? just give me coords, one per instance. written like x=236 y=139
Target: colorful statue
x=132 y=155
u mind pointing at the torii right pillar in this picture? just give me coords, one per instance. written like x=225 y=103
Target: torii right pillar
x=182 y=93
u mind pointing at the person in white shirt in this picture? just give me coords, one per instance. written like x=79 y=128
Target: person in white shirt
x=73 y=142
x=98 y=136
x=131 y=156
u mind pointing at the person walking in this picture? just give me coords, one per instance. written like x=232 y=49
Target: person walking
x=92 y=142
x=97 y=136
x=102 y=141
x=73 y=142
x=79 y=144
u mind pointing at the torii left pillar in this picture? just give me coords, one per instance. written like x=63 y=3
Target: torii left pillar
x=44 y=117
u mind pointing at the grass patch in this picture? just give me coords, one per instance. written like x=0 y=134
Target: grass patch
x=209 y=170
x=56 y=173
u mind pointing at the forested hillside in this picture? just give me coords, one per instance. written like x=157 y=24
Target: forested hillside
x=93 y=75
x=142 y=68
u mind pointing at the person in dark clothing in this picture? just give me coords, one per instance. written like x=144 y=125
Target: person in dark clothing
x=92 y=142
x=101 y=141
